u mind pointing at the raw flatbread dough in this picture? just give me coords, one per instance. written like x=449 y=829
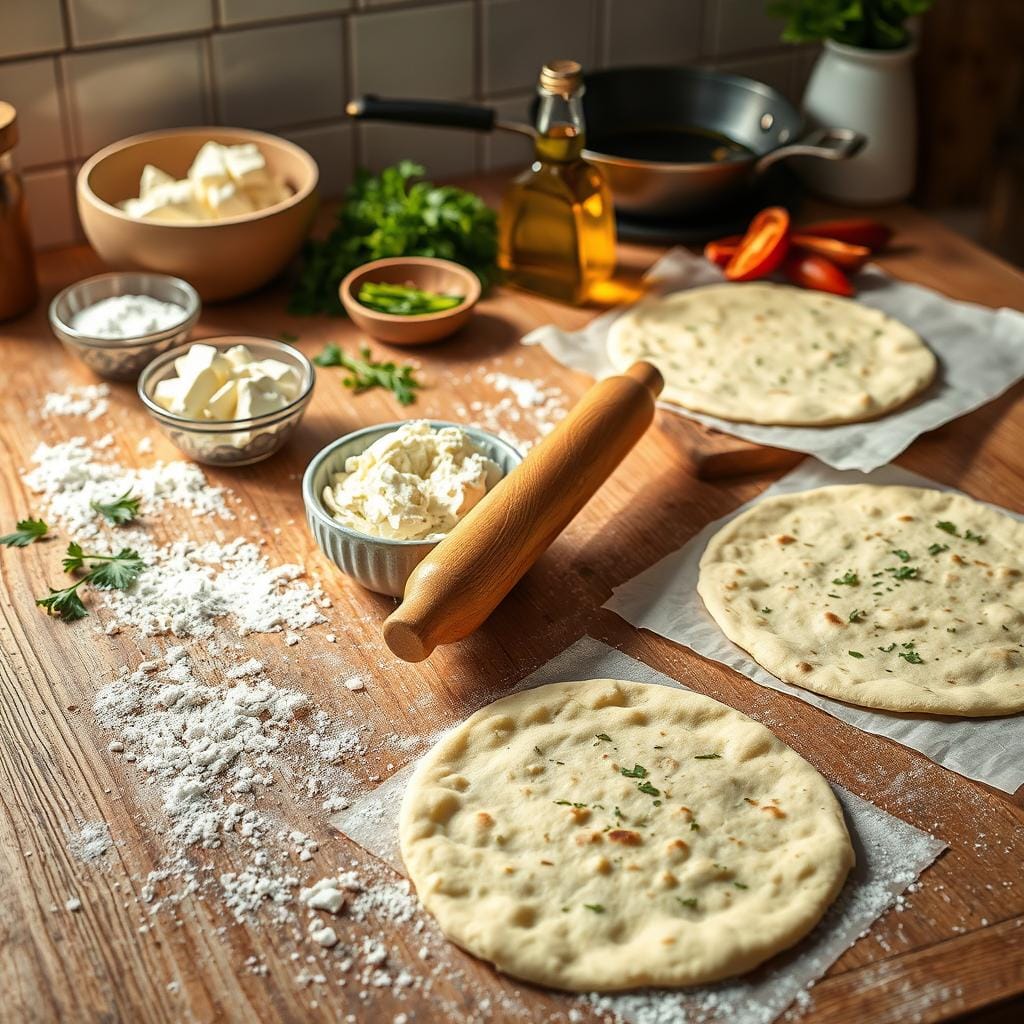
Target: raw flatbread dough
x=771 y=353
x=901 y=598
x=604 y=835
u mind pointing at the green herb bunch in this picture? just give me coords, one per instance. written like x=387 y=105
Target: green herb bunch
x=390 y=214
x=871 y=24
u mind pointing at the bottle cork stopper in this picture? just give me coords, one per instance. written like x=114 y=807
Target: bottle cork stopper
x=561 y=77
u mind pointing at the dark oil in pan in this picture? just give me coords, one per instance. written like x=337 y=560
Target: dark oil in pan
x=670 y=146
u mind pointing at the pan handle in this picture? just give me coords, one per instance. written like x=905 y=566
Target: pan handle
x=437 y=114
x=824 y=143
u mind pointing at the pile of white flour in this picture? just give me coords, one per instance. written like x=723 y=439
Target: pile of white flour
x=88 y=400
x=187 y=586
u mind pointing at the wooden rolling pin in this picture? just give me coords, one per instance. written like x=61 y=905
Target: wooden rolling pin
x=465 y=577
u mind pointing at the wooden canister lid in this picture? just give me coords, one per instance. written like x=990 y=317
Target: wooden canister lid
x=8 y=127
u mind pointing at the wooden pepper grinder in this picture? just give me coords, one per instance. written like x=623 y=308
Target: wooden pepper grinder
x=454 y=589
x=18 y=289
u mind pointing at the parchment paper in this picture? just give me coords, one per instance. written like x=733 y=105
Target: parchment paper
x=664 y=599
x=980 y=353
x=890 y=856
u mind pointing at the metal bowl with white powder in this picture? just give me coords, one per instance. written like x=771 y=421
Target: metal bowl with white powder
x=116 y=323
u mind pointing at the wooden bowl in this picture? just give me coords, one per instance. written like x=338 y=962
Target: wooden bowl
x=221 y=259
x=423 y=272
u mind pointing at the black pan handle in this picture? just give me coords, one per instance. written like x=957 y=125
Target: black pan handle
x=436 y=113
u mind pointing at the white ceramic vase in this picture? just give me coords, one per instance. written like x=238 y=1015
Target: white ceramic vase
x=871 y=91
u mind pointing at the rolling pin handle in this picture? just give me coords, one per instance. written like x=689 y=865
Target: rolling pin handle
x=405 y=640
x=647 y=374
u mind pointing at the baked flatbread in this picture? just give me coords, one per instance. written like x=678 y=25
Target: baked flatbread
x=605 y=835
x=774 y=354
x=901 y=598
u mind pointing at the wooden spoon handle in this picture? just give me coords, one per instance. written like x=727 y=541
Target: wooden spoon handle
x=465 y=577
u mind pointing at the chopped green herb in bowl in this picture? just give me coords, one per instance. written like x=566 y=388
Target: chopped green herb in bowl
x=405 y=300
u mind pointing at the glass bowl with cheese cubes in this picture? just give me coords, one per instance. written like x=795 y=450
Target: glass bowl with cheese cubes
x=228 y=401
x=223 y=208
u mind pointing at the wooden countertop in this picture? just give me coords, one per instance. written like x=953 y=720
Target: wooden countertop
x=958 y=946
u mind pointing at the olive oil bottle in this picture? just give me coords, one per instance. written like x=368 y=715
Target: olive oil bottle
x=557 y=225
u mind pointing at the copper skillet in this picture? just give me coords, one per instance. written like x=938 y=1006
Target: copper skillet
x=673 y=142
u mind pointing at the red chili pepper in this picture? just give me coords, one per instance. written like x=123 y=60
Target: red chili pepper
x=812 y=271
x=856 y=231
x=722 y=250
x=763 y=247
x=842 y=254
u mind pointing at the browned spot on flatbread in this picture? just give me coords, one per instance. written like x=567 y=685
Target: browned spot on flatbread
x=625 y=836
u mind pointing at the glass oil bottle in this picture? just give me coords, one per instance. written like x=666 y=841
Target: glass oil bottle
x=557 y=224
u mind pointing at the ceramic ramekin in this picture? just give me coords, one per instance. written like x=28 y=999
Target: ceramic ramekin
x=378 y=563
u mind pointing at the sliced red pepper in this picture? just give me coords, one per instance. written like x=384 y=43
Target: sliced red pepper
x=763 y=247
x=722 y=250
x=855 y=230
x=810 y=270
x=842 y=254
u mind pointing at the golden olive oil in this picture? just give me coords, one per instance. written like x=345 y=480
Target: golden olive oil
x=557 y=225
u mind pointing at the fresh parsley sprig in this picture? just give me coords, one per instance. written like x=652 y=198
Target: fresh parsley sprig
x=119 y=511
x=28 y=530
x=105 y=571
x=366 y=373
x=394 y=213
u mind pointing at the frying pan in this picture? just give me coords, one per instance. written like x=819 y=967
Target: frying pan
x=673 y=142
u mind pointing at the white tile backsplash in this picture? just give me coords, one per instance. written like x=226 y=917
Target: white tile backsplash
x=521 y=36
x=415 y=52
x=505 y=149
x=31 y=87
x=30 y=26
x=776 y=71
x=51 y=215
x=444 y=152
x=134 y=89
x=243 y=12
x=280 y=75
x=651 y=31
x=106 y=21
x=734 y=26
x=331 y=146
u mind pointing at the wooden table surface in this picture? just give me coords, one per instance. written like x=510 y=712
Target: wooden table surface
x=958 y=946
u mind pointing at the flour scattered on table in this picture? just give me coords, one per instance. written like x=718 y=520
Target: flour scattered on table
x=187 y=585
x=91 y=842
x=88 y=400
x=524 y=411
x=70 y=475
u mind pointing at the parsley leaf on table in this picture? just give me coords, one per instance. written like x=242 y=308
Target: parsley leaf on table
x=65 y=604
x=108 y=571
x=119 y=511
x=28 y=530
x=366 y=373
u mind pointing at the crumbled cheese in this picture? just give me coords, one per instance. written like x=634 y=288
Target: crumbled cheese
x=414 y=483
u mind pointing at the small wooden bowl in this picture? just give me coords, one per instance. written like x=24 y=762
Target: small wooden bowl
x=423 y=272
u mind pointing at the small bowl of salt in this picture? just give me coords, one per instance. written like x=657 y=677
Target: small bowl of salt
x=117 y=323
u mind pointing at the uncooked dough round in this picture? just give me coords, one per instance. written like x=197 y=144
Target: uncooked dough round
x=771 y=353
x=605 y=835
x=902 y=598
